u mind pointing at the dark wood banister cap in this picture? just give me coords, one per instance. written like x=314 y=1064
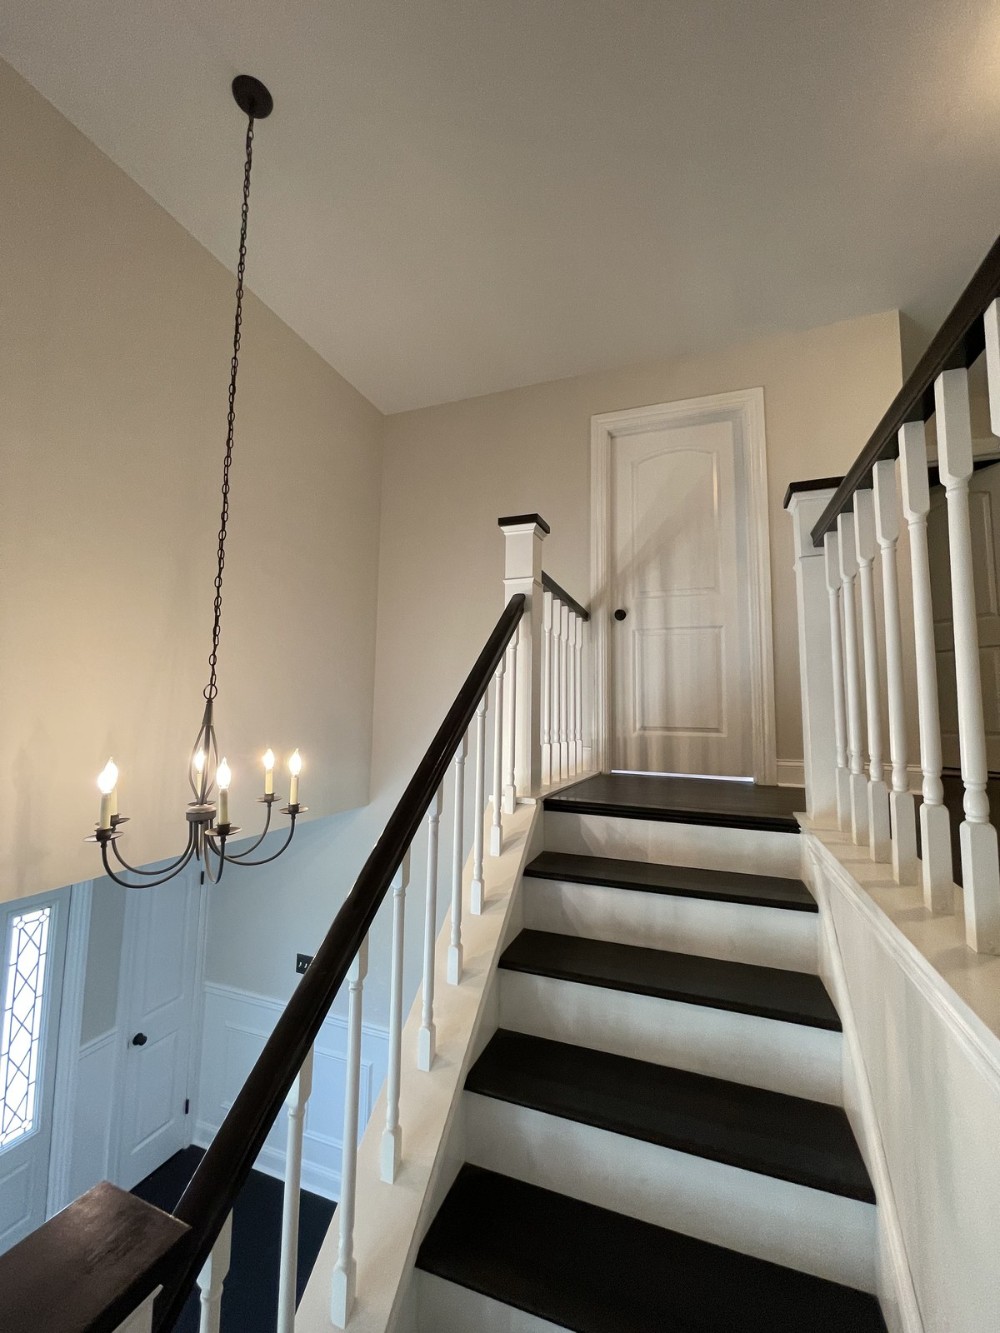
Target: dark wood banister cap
x=957 y=343
x=86 y=1269
x=550 y=585
x=818 y=484
x=515 y=519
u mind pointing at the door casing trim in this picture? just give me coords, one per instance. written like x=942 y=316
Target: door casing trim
x=747 y=407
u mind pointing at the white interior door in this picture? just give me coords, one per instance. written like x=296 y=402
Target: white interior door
x=32 y=955
x=984 y=514
x=160 y=946
x=681 y=676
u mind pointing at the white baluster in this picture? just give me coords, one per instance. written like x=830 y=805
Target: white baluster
x=935 y=830
x=902 y=807
x=570 y=664
x=346 y=1270
x=556 y=705
x=427 y=1033
x=457 y=866
x=574 y=633
x=496 y=828
x=212 y=1278
x=477 y=895
x=991 y=321
x=564 y=693
x=392 y=1135
x=852 y=680
x=831 y=553
x=579 y=693
x=288 y=1264
x=878 y=796
x=546 y=709
x=141 y=1318
x=510 y=756
x=977 y=836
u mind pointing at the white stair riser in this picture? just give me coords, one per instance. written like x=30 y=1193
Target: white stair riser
x=703 y=845
x=764 y=936
x=447 y=1308
x=807 y=1229
x=761 y=1052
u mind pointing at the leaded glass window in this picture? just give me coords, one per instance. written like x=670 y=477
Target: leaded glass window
x=21 y=1030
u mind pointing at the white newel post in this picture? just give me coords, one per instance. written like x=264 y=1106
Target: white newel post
x=902 y=807
x=935 y=823
x=288 y=1264
x=831 y=552
x=818 y=734
x=978 y=838
x=496 y=827
x=457 y=866
x=476 y=890
x=212 y=1278
x=392 y=1146
x=426 y=1035
x=346 y=1270
x=879 y=842
x=852 y=680
x=523 y=573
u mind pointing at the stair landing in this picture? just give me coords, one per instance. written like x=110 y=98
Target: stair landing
x=724 y=803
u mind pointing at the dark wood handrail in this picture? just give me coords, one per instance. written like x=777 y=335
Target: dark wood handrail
x=960 y=339
x=550 y=585
x=213 y=1188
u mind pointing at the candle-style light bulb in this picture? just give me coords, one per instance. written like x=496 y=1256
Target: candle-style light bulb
x=223 y=777
x=198 y=764
x=295 y=768
x=107 y=780
x=268 y=772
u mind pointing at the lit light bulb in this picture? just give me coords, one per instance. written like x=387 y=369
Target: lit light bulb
x=269 y=772
x=198 y=764
x=295 y=768
x=107 y=781
x=223 y=777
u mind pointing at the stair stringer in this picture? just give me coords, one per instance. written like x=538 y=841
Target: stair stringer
x=391 y=1220
x=896 y=1292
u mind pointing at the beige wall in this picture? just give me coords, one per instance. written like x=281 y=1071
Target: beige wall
x=114 y=328
x=450 y=471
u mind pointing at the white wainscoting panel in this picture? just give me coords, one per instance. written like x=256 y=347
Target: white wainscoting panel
x=92 y=1110
x=237 y=1023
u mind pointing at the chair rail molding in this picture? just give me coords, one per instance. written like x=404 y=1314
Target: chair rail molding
x=745 y=408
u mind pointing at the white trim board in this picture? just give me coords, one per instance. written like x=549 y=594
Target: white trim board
x=68 y=1052
x=747 y=407
x=237 y=1023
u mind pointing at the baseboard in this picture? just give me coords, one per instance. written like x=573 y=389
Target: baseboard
x=237 y=1023
x=791 y=773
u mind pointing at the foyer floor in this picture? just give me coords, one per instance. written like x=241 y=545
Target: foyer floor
x=250 y=1298
x=723 y=802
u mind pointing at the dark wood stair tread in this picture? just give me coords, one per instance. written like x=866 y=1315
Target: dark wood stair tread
x=770 y=1133
x=722 y=804
x=770 y=992
x=594 y=1271
x=726 y=886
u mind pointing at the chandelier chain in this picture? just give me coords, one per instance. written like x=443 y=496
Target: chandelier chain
x=212 y=689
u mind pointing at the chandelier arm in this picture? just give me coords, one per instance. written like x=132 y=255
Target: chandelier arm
x=265 y=860
x=179 y=864
x=236 y=857
x=149 y=884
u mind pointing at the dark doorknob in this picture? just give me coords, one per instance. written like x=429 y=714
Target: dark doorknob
x=139 y=1039
x=621 y=613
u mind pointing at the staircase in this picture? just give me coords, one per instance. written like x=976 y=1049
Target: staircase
x=653 y=1136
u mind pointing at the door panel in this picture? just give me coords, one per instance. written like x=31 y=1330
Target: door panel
x=161 y=934
x=680 y=690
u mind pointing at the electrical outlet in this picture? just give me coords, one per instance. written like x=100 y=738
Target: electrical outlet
x=302 y=961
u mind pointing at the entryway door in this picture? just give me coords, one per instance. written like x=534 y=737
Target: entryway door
x=160 y=949
x=32 y=956
x=685 y=592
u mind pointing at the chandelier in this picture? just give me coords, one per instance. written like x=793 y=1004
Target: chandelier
x=208 y=825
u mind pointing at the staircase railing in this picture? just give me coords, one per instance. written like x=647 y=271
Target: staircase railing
x=842 y=528
x=536 y=649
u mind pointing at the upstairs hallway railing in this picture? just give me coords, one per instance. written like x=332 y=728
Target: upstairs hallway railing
x=96 y=1266
x=842 y=530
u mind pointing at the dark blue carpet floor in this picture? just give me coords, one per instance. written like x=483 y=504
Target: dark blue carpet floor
x=250 y=1297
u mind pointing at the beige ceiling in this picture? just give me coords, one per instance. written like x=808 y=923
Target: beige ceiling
x=459 y=196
